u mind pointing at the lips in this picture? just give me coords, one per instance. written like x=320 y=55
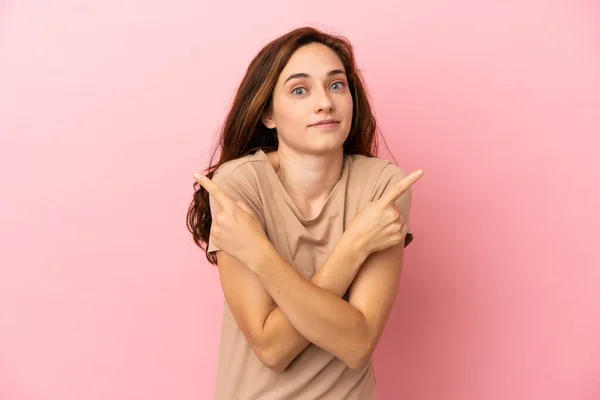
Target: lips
x=326 y=122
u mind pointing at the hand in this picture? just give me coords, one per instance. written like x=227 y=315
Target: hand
x=380 y=225
x=235 y=229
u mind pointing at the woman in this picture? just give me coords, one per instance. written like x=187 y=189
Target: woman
x=307 y=227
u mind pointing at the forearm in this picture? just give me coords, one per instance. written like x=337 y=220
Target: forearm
x=335 y=276
x=317 y=314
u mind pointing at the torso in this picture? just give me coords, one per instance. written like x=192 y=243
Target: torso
x=304 y=242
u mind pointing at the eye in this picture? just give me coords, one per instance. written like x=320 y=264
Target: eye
x=337 y=85
x=299 y=91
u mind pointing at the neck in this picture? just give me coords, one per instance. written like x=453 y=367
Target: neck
x=309 y=178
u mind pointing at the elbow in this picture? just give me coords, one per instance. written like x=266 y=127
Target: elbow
x=361 y=357
x=275 y=365
x=272 y=359
x=363 y=349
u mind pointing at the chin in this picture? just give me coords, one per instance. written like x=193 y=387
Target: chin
x=319 y=143
x=325 y=146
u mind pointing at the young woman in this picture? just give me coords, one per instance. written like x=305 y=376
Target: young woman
x=306 y=225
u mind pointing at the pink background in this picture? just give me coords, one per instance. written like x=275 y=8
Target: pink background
x=107 y=108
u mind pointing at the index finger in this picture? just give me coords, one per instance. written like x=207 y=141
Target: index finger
x=401 y=187
x=214 y=190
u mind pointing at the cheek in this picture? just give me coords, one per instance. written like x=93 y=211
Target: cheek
x=290 y=116
x=349 y=104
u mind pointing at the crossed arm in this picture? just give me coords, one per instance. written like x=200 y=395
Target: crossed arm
x=288 y=311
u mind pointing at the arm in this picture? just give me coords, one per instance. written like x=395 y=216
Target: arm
x=273 y=338
x=275 y=341
x=350 y=331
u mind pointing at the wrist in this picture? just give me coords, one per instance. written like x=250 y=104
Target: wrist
x=354 y=246
x=262 y=256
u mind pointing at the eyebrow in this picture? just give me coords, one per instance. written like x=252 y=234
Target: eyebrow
x=304 y=75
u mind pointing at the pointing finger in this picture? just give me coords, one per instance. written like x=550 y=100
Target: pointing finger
x=402 y=186
x=214 y=190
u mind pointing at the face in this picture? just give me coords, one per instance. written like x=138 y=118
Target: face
x=312 y=104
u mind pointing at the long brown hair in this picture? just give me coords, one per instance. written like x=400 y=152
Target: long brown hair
x=243 y=132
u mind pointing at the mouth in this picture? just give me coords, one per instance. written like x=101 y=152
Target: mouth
x=326 y=122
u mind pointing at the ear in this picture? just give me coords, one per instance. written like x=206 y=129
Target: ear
x=267 y=120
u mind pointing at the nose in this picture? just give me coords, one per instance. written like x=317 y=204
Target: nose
x=323 y=102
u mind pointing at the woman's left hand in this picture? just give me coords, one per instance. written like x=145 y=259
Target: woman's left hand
x=235 y=229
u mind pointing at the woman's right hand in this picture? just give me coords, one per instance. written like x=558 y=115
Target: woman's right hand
x=235 y=229
x=380 y=225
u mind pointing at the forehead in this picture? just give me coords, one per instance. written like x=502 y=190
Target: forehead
x=314 y=59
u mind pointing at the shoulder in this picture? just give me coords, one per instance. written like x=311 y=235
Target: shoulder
x=242 y=173
x=379 y=172
x=237 y=168
x=239 y=179
x=383 y=176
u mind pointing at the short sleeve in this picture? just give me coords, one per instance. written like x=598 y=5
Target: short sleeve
x=389 y=177
x=240 y=184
